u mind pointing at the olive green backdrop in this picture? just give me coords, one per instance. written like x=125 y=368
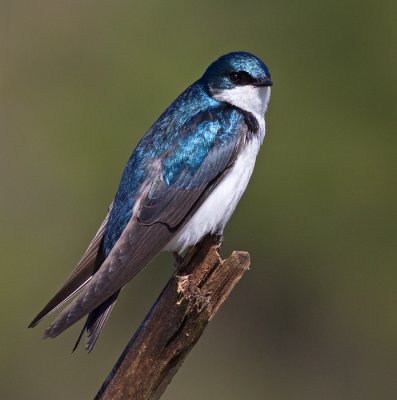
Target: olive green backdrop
x=80 y=82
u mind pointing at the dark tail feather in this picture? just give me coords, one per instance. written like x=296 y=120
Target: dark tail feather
x=79 y=338
x=96 y=321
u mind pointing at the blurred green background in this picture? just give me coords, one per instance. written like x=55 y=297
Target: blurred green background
x=80 y=82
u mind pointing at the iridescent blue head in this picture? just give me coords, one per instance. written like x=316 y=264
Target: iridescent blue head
x=236 y=69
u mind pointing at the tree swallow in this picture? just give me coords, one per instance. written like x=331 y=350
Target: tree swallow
x=183 y=181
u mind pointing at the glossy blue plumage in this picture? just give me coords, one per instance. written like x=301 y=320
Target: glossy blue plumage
x=183 y=181
x=180 y=138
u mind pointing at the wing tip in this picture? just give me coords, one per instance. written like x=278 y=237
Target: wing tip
x=42 y=314
x=48 y=333
x=35 y=320
x=52 y=331
x=32 y=324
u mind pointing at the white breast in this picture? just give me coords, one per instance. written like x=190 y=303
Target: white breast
x=217 y=209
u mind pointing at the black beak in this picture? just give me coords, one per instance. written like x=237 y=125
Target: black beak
x=264 y=82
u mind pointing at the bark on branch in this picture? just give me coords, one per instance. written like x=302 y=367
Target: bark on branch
x=174 y=324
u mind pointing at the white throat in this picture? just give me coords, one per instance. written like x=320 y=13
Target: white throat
x=249 y=98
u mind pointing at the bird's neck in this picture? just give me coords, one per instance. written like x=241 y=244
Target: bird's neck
x=248 y=98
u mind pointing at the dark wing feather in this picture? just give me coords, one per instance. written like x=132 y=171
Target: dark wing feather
x=136 y=247
x=161 y=210
x=78 y=278
x=171 y=204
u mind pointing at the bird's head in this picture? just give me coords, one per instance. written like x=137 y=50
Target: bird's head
x=241 y=79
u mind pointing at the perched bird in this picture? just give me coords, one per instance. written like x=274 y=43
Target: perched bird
x=183 y=180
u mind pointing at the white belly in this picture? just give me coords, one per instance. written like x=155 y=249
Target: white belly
x=217 y=209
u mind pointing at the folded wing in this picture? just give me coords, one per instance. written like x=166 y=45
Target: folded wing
x=186 y=180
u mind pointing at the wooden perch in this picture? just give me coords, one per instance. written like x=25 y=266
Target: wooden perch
x=174 y=324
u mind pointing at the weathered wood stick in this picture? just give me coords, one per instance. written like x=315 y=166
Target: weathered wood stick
x=174 y=324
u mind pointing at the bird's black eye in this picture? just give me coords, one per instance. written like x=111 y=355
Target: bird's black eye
x=235 y=77
x=240 y=78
